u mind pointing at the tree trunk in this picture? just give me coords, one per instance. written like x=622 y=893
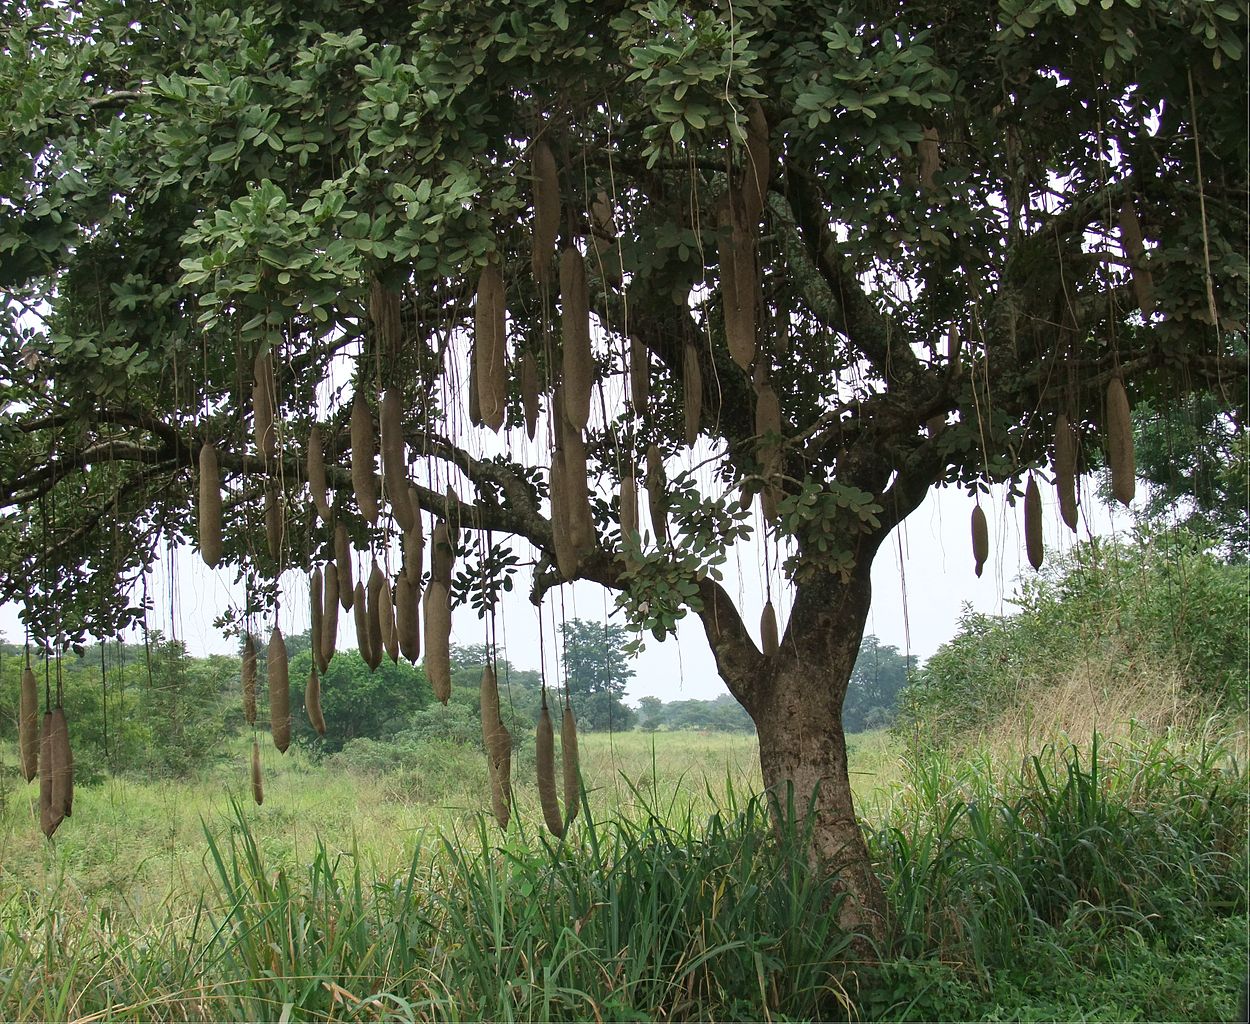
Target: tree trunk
x=795 y=699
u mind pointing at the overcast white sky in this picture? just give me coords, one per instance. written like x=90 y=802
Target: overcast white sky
x=922 y=579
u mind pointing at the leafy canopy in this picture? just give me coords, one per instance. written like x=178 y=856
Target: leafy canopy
x=939 y=269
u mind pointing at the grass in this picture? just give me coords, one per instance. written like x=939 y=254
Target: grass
x=1094 y=881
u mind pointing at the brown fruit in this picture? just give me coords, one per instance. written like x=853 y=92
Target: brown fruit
x=1033 y=523
x=316 y=467
x=279 y=691
x=394 y=464
x=386 y=619
x=691 y=392
x=758 y=163
x=408 y=617
x=475 y=394
x=1065 y=470
x=63 y=759
x=385 y=311
x=498 y=744
x=930 y=157
x=312 y=702
x=258 y=786
x=247 y=677
x=545 y=759
x=28 y=724
x=360 y=607
x=316 y=589
x=490 y=347
x=768 y=630
x=210 y=506
x=980 y=538
x=546 y=210
x=578 y=360
x=529 y=392
x=576 y=494
x=264 y=405
x=1120 y=455
x=739 y=284
x=628 y=505
x=343 y=559
x=329 y=616
x=438 y=639
x=49 y=816
x=274 y=520
x=442 y=556
x=1132 y=241
x=414 y=550
x=572 y=768
x=639 y=376
x=364 y=481
x=377 y=583
x=657 y=500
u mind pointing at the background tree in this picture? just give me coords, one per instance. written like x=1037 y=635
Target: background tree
x=597 y=670
x=847 y=252
x=879 y=676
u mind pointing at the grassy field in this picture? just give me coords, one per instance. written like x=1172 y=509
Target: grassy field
x=1101 y=881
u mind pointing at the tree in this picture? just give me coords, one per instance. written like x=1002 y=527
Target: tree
x=879 y=676
x=596 y=671
x=842 y=253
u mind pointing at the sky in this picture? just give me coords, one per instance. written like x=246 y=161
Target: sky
x=922 y=580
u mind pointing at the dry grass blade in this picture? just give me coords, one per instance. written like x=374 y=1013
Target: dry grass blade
x=438 y=639
x=364 y=481
x=28 y=724
x=578 y=360
x=545 y=761
x=1033 y=523
x=1120 y=455
x=279 y=691
x=312 y=702
x=210 y=507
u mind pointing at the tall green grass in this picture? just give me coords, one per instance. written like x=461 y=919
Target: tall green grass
x=1076 y=883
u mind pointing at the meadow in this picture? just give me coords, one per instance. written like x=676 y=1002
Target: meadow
x=1102 y=880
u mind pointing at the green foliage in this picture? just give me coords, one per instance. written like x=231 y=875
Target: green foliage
x=878 y=678
x=355 y=701
x=596 y=670
x=151 y=711
x=1158 y=600
x=1087 y=883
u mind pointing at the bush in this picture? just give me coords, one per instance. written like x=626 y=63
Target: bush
x=1157 y=607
